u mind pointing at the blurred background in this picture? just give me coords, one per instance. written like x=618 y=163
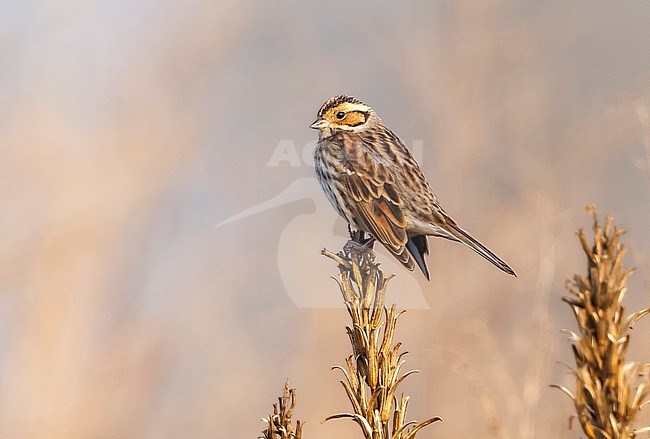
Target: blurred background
x=160 y=223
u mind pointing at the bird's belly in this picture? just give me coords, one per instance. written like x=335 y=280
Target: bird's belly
x=329 y=177
x=333 y=195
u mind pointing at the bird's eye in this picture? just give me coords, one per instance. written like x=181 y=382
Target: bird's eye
x=340 y=115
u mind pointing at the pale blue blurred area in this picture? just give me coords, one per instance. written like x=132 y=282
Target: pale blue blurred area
x=130 y=130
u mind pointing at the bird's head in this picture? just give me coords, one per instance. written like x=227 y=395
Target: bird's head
x=343 y=113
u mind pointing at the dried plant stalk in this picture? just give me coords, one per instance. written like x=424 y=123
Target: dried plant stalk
x=609 y=391
x=279 y=424
x=372 y=373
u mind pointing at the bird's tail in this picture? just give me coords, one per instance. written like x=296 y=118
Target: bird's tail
x=467 y=239
x=418 y=247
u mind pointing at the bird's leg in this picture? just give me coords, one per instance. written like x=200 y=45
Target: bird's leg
x=359 y=237
x=350 y=231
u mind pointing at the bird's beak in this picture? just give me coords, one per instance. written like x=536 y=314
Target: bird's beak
x=319 y=124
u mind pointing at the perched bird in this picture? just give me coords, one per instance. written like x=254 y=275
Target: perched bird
x=373 y=181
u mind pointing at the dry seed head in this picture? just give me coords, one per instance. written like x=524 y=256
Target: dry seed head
x=279 y=424
x=373 y=372
x=610 y=391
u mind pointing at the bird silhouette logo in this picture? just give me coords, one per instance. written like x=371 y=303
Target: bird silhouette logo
x=305 y=274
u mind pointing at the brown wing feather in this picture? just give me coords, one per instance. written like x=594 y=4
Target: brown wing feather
x=377 y=209
x=374 y=201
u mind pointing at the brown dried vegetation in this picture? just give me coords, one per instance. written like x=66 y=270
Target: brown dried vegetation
x=610 y=391
x=279 y=423
x=373 y=371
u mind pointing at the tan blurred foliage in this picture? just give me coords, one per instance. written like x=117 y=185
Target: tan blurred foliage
x=129 y=130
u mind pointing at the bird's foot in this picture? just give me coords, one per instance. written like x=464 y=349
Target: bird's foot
x=360 y=237
x=359 y=242
x=369 y=242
